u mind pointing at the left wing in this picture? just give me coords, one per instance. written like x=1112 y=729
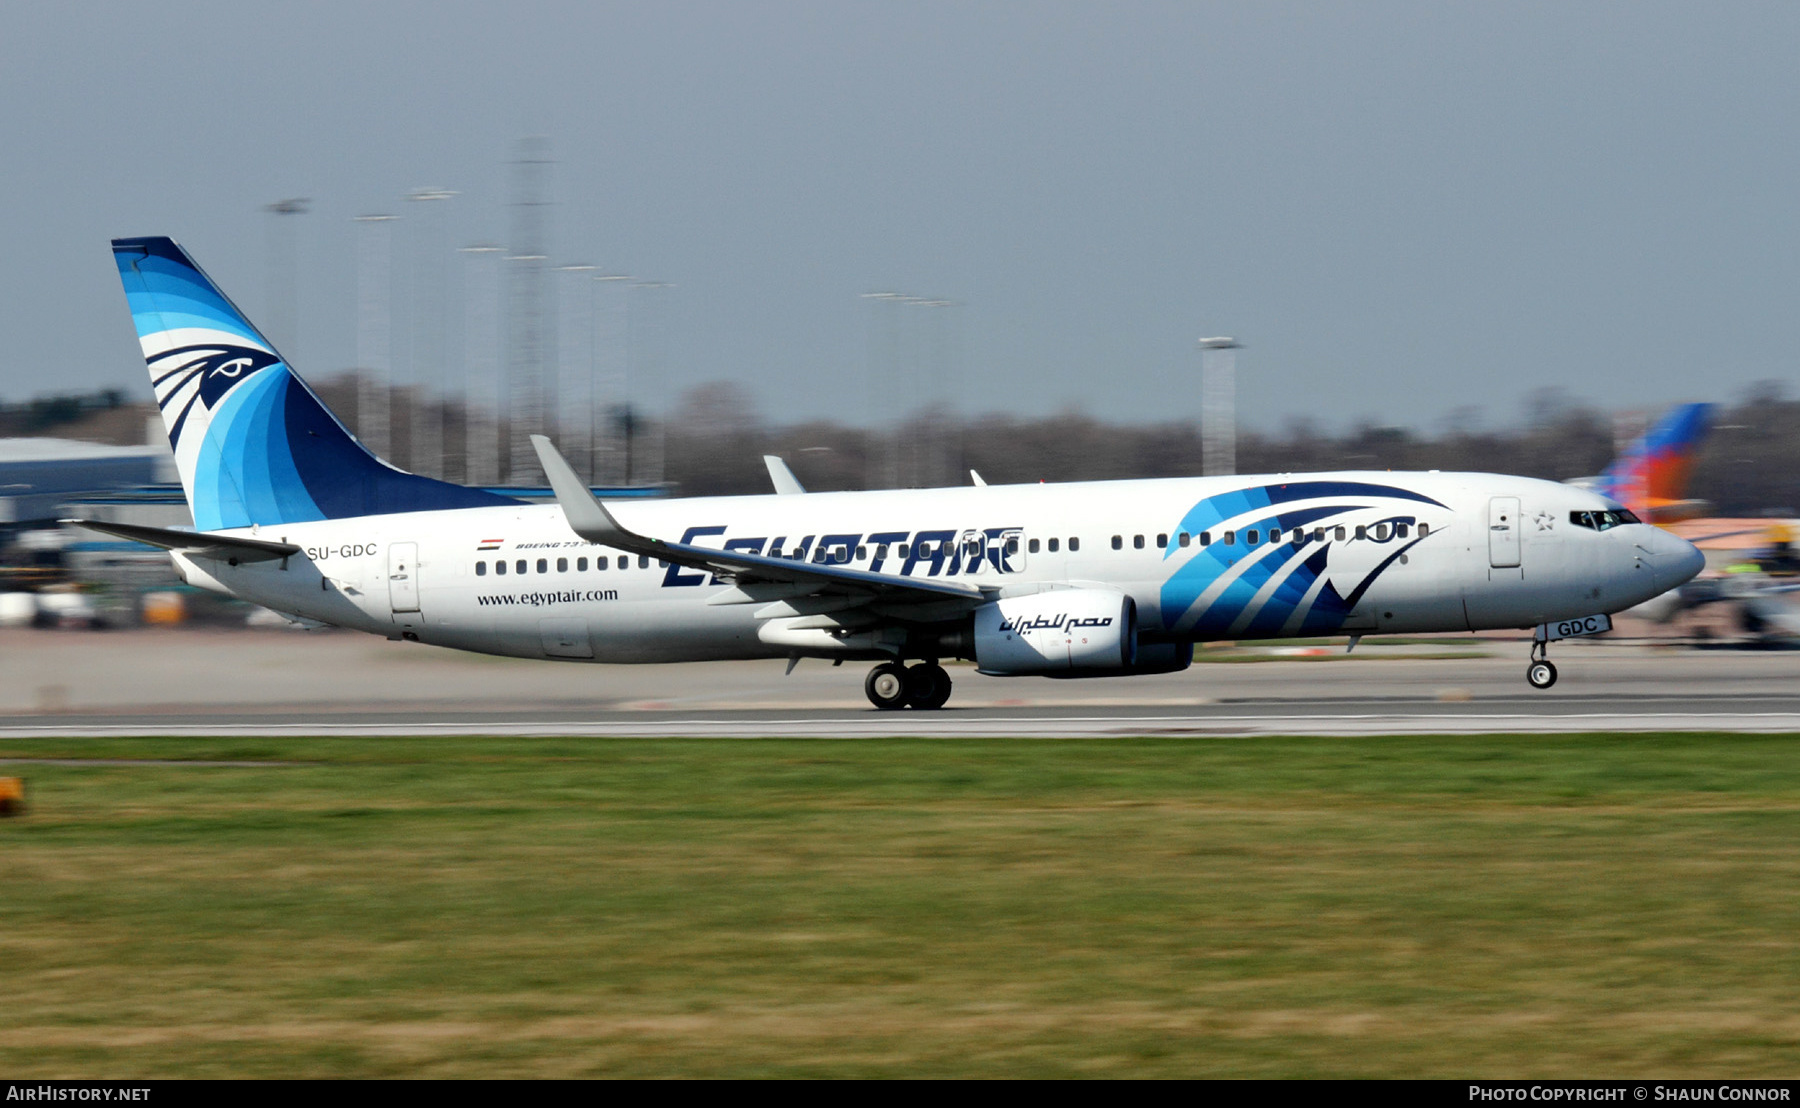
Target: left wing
x=589 y=518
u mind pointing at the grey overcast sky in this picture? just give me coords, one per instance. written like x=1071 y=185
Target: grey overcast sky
x=1401 y=208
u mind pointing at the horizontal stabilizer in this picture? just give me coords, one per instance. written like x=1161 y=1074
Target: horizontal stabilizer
x=200 y=544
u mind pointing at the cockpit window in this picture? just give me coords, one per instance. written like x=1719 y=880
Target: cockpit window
x=1603 y=521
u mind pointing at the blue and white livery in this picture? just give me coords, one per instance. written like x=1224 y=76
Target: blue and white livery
x=1067 y=580
x=252 y=442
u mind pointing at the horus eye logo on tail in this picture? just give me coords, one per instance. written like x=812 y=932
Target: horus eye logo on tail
x=252 y=443
x=202 y=374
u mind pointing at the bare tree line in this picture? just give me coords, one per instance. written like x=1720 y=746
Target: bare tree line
x=1749 y=465
x=713 y=441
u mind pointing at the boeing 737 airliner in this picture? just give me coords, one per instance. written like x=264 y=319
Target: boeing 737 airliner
x=1059 y=580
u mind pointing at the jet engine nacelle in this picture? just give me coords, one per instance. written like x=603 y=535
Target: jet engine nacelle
x=1056 y=631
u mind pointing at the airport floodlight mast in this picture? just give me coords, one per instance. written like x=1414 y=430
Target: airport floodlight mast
x=374 y=329
x=647 y=339
x=484 y=400
x=612 y=307
x=883 y=463
x=426 y=454
x=284 y=290
x=912 y=362
x=575 y=350
x=1218 y=405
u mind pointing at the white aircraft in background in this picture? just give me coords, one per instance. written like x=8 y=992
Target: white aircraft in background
x=1092 y=579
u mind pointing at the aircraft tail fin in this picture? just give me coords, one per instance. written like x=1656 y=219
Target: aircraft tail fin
x=253 y=444
x=1651 y=477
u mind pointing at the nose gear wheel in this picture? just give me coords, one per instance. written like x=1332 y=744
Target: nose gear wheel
x=1541 y=673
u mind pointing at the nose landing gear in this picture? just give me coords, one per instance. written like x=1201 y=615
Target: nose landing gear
x=891 y=686
x=1541 y=673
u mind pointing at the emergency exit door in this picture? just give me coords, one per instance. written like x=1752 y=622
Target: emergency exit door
x=403 y=576
x=1503 y=531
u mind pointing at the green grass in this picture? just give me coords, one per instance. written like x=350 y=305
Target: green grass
x=1577 y=906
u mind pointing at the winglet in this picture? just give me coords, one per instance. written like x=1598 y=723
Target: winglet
x=786 y=484
x=586 y=515
x=976 y=477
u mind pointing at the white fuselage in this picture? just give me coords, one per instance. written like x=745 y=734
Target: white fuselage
x=1432 y=553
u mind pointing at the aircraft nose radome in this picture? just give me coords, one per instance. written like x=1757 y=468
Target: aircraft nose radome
x=1677 y=560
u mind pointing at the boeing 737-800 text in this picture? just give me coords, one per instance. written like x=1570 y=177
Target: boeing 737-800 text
x=1059 y=580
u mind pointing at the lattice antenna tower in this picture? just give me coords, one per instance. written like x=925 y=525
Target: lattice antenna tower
x=531 y=397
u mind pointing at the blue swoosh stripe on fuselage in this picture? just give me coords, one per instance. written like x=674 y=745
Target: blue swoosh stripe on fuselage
x=1186 y=585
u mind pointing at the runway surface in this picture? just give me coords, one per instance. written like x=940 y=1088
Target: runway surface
x=273 y=683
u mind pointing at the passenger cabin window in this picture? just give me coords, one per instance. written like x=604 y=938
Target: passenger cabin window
x=1118 y=542
x=1424 y=529
x=1381 y=532
x=481 y=569
x=1600 y=521
x=1031 y=546
x=1318 y=534
x=643 y=562
x=1338 y=534
x=1402 y=529
x=562 y=565
x=1299 y=536
x=862 y=553
x=581 y=565
x=543 y=565
x=1362 y=531
x=500 y=568
x=1230 y=538
x=1252 y=537
x=1074 y=544
x=1137 y=542
x=1053 y=545
x=1206 y=538
x=1012 y=545
x=1162 y=542
x=1184 y=538
x=520 y=565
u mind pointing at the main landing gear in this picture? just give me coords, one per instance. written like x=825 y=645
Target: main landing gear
x=892 y=686
x=1541 y=673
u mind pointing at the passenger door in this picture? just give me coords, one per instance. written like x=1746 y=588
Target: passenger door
x=1503 y=532
x=403 y=576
